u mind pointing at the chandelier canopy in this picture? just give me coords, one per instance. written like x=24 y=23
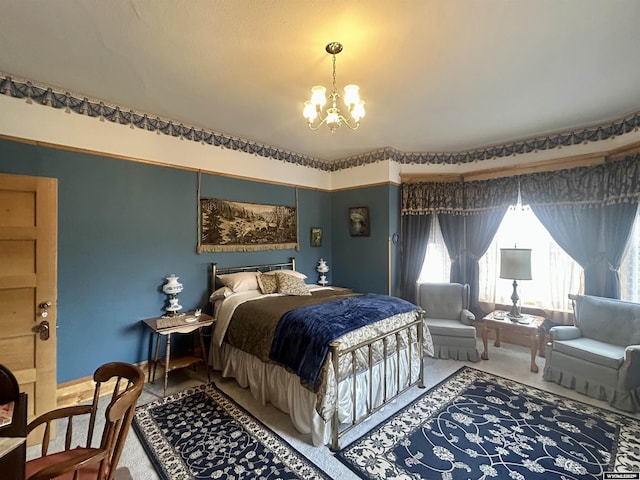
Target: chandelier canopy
x=333 y=118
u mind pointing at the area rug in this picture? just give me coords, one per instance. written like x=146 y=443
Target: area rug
x=202 y=433
x=477 y=425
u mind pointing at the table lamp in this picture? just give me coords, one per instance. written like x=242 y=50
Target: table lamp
x=322 y=269
x=172 y=288
x=515 y=264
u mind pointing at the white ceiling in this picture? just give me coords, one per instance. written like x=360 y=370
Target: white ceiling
x=437 y=75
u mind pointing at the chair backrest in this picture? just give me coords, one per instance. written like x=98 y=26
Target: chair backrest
x=129 y=380
x=443 y=300
x=607 y=319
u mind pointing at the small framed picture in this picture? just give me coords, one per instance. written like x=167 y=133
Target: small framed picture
x=316 y=237
x=359 y=222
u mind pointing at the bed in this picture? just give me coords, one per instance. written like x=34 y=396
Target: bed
x=285 y=340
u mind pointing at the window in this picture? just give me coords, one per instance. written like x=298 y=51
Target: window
x=630 y=266
x=437 y=264
x=554 y=273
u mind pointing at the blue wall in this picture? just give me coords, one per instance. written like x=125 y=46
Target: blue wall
x=123 y=227
x=362 y=262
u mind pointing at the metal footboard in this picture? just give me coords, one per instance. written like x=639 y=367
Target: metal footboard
x=337 y=354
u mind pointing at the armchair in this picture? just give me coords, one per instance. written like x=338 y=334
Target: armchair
x=87 y=462
x=599 y=356
x=449 y=320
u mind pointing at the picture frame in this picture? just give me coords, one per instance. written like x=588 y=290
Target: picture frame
x=359 y=223
x=232 y=226
x=316 y=237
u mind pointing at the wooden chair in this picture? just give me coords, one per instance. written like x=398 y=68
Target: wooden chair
x=87 y=462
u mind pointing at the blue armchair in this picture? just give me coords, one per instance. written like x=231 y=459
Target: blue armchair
x=449 y=320
x=599 y=356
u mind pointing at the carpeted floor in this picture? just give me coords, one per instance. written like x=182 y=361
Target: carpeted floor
x=478 y=425
x=509 y=361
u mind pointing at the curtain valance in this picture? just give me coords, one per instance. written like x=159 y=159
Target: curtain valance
x=432 y=197
x=623 y=181
x=576 y=186
x=602 y=184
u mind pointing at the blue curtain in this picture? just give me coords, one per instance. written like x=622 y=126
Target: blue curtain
x=481 y=228
x=577 y=230
x=589 y=211
x=453 y=233
x=618 y=222
x=414 y=235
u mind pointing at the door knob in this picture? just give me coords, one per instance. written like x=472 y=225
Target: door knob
x=43 y=329
x=45 y=305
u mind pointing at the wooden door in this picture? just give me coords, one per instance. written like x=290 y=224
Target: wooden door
x=28 y=293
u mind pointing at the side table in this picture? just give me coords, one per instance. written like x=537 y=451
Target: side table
x=498 y=320
x=186 y=324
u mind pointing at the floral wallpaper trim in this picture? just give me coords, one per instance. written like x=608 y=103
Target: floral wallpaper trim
x=47 y=95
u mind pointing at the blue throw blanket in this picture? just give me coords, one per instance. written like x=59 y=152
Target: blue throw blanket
x=302 y=336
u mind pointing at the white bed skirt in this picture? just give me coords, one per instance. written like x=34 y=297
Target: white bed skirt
x=271 y=383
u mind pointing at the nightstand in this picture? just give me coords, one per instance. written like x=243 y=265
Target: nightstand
x=186 y=324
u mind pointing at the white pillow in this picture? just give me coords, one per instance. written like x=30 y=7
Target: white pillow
x=293 y=273
x=241 y=281
x=220 y=294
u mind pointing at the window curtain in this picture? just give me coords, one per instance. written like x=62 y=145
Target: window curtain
x=589 y=212
x=414 y=235
x=469 y=215
x=486 y=202
x=419 y=202
x=453 y=232
x=621 y=198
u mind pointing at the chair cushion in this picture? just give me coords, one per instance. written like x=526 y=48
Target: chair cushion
x=451 y=328
x=90 y=472
x=595 y=351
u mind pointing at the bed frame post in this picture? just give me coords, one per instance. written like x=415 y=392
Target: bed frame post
x=334 y=347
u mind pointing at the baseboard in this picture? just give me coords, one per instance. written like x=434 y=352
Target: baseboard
x=81 y=390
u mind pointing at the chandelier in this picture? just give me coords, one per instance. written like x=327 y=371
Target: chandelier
x=334 y=117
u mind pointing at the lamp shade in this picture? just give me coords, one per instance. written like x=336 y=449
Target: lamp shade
x=515 y=263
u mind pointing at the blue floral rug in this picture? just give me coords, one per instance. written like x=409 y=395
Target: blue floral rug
x=475 y=425
x=202 y=433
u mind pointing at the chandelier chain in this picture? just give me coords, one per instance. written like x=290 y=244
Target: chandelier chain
x=334 y=74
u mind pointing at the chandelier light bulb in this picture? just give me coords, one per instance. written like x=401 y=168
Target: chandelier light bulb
x=351 y=96
x=334 y=118
x=358 y=111
x=318 y=97
x=310 y=112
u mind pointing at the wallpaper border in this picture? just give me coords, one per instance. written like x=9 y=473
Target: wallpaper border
x=57 y=98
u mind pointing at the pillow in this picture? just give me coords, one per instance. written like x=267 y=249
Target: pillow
x=241 y=281
x=290 y=285
x=220 y=294
x=293 y=273
x=268 y=283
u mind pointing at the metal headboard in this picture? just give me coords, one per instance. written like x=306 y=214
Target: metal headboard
x=267 y=267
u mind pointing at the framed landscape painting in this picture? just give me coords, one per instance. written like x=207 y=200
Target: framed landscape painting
x=228 y=226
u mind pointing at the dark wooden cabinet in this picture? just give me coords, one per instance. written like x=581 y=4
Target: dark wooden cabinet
x=13 y=445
